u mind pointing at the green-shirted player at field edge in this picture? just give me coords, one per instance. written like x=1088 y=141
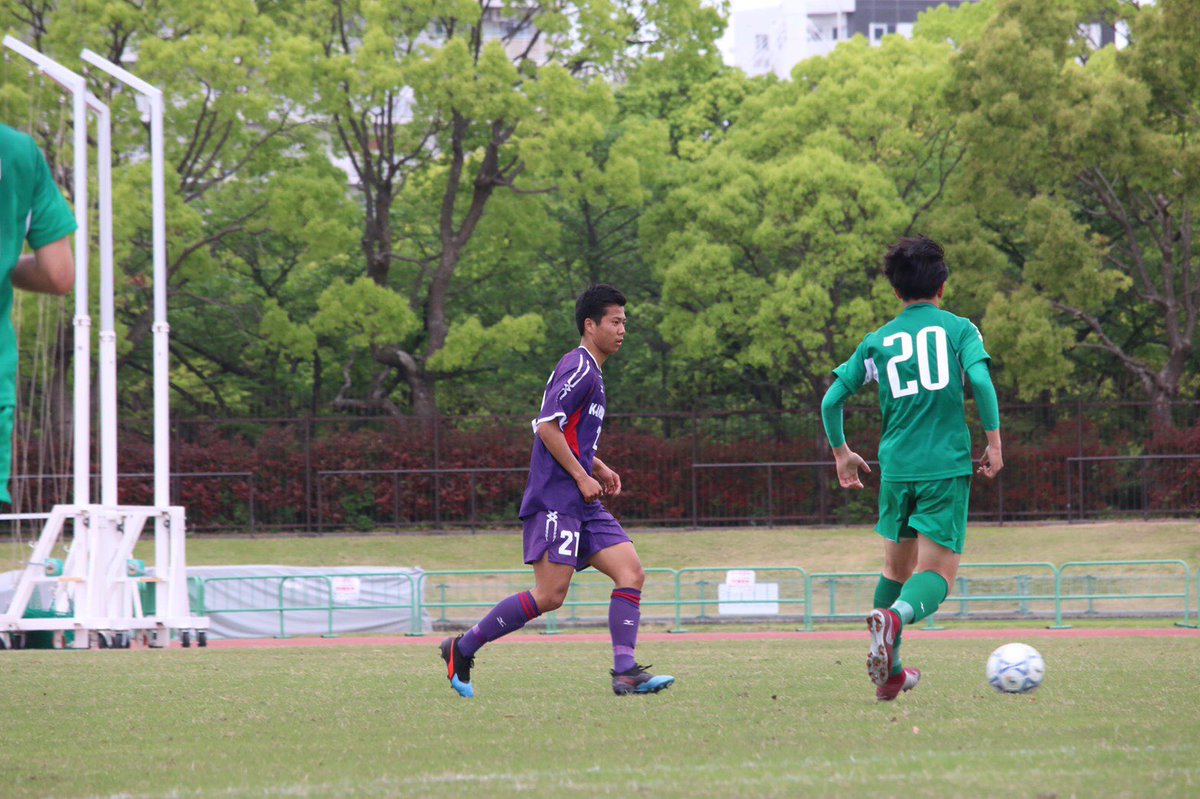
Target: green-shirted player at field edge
x=921 y=360
x=31 y=209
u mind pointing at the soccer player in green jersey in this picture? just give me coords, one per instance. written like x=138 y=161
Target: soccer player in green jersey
x=31 y=209
x=921 y=360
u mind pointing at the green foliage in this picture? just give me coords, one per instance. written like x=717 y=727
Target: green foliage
x=1082 y=164
x=768 y=248
x=471 y=345
x=409 y=195
x=362 y=315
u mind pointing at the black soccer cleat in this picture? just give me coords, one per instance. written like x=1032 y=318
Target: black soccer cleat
x=458 y=667
x=639 y=681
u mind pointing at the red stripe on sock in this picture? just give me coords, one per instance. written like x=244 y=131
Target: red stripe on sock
x=630 y=598
x=528 y=606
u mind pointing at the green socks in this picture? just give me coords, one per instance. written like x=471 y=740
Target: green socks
x=886 y=592
x=920 y=596
x=912 y=601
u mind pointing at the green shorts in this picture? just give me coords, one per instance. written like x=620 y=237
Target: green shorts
x=6 y=431
x=937 y=509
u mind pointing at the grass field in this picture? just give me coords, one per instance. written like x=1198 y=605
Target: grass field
x=816 y=549
x=1115 y=717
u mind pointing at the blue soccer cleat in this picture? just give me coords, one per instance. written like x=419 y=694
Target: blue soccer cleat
x=458 y=668
x=639 y=681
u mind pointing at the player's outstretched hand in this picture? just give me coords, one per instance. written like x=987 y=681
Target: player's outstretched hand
x=590 y=489
x=991 y=462
x=848 y=464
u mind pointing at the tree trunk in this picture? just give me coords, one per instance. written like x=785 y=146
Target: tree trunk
x=424 y=395
x=1162 y=423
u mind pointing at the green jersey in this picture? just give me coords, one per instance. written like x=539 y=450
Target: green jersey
x=31 y=209
x=919 y=359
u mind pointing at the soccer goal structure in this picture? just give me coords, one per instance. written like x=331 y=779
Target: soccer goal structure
x=93 y=595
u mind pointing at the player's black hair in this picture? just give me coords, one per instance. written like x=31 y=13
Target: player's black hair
x=916 y=267
x=594 y=301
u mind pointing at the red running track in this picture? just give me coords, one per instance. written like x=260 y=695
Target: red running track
x=431 y=639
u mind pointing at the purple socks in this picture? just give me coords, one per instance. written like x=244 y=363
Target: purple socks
x=509 y=616
x=624 y=616
x=513 y=613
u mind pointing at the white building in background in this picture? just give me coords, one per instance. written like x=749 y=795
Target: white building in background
x=774 y=35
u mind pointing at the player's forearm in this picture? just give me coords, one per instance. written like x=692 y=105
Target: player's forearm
x=993 y=439
x=985 y=396
x=556 y=445
x=831 y=413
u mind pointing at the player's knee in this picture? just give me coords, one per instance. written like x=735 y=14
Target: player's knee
x=550 y=599
x=633 y=577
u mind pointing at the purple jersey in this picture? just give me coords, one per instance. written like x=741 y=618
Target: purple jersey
x=575 y=397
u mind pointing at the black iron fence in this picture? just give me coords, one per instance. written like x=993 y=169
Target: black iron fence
x=1070 y=462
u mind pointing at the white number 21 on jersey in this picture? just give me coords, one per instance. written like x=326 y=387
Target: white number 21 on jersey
x=941 y=356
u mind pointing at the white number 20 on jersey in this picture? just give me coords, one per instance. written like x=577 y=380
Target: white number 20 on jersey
x=925 y=370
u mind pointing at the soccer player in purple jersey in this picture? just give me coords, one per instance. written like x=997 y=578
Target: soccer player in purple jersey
x=566 y=526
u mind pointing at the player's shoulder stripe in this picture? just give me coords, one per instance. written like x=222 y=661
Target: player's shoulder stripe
x=591 y=358
x=576 y=366
x=583 y=365
x=569 y=364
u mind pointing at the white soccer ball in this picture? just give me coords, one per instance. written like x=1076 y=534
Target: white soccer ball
x=1015 y=669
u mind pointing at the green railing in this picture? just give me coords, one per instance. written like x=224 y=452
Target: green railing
x=981 y=589
x=1091 y=595
x=703 y=600
x=579 y=584
x=1020 y=582
x=202 y=597
x=825 y=590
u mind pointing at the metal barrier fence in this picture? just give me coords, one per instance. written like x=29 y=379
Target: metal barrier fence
x=1069 y=460
x=430 y=493
x=701 y=595
x=768 y=492
x=1148 y=484
x=1107 y=587
x=249 y=594
x=235 y=492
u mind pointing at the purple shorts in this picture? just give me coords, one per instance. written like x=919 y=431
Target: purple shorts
x=570 y=541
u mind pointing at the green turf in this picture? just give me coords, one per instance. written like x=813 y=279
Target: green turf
x=1115 y=717
x=816 y=549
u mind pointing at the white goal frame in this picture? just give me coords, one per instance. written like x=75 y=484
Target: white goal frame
x=96 y=588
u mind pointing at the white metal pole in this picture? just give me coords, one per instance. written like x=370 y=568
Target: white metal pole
x=108 y=333
x=76 y=85
x=167 y=550
x=83 y=322
x=162 y=422
x=162 y=331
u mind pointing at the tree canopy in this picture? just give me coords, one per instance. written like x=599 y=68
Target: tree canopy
x=390 y=205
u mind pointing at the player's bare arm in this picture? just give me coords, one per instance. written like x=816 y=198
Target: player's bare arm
x=848 y=464
x=992 y=460
x=49 y=270
x=556 y=444
x=609 y=479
